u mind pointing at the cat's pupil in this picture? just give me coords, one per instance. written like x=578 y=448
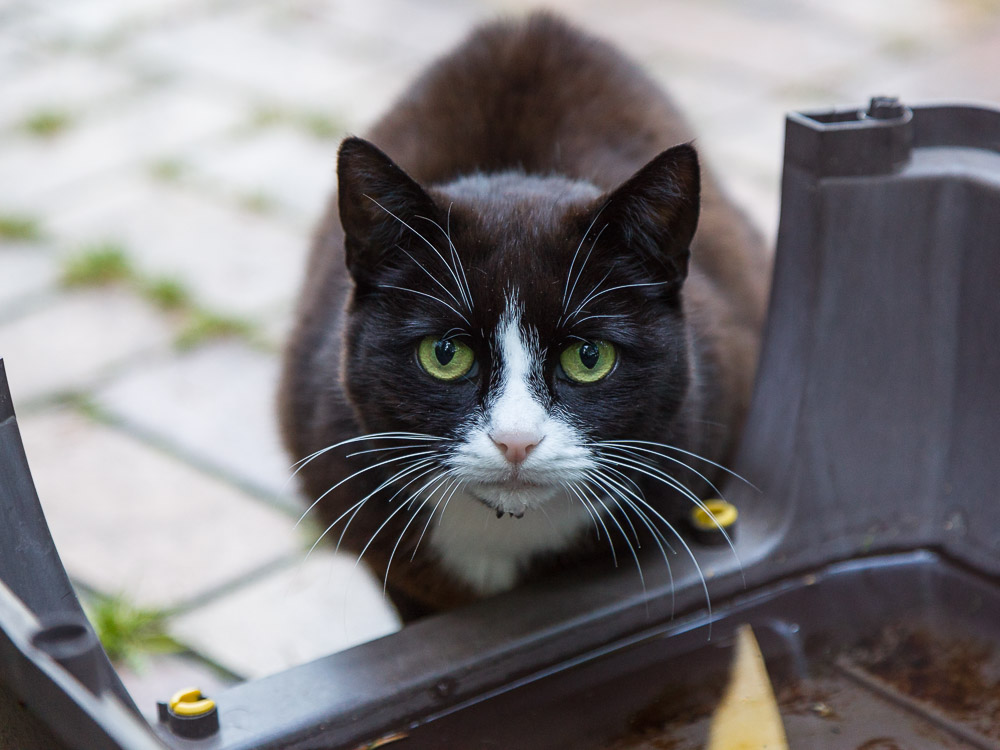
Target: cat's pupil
x=589 y=354
x=444 y=351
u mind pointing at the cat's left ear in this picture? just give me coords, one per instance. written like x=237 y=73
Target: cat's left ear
x=655 y=212
x=378 y=204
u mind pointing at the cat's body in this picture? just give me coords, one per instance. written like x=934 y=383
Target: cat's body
x=539 y=224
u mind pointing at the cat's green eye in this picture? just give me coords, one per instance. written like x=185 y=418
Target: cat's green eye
x=445 y=359
x=588 y=361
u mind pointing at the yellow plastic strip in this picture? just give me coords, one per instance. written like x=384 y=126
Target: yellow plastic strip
x=748 y=716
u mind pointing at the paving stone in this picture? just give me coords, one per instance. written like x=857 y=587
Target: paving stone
x=214 y=406
x=760 y=199
x=915 y=19
x=232 y=260
x=966 y=74
x=323 y=605
x=281 y=164
x=35 y=172
x=26 y=270
x=750 y=147
x=278 y=327
x=231 y=50
x=388 y=30
x=762 y=40
x=79 y=338
x=706 y=99
x=131 y=520
x=90 y=21
x=66 y=83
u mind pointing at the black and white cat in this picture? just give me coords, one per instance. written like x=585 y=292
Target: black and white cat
x=508 y=298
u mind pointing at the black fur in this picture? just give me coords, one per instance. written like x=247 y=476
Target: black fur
x=530 y=142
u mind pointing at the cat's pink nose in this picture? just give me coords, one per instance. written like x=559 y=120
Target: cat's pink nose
x=515 y=446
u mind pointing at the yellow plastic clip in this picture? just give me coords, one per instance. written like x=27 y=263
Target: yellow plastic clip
x=190 y=702
x=716 y=514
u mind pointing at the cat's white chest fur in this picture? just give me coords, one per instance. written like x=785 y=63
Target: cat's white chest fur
x=488 y=553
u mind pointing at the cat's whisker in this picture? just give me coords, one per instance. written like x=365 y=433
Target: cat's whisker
x=664 y=478
x=636 y=463
x=579 y=308
x=635 y=534
x=616 y=487
x=603 y=472
x=595 y=294
x=458 y=258
x=571 y=488
x=428 y=296
x=572 y=263
x=583 y=265
x=459 y=486
x=423 y=471
x=402 y=506
x=577 y=490
x=359 y=472
x=449 y=492
x=649 y=470
x=583 y=320
x=456 y=266
x=421 y=466
x=371 y=436
x=631 y=548
x=431 y=276
x=631 y=526
x=409 y=446
x=413 y=517
x=643 y=466
x=680 y=538
x=427 y=242
x=669 y=447
x=608 y=484
x=636 y=452
x=614 y=555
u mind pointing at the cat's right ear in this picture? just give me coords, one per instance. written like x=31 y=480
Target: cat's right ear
x=655 y=212
x=377 y=201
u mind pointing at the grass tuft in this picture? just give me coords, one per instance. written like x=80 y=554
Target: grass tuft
x=82 y=404
x=321 y=125
x=129 y=632
x=267 y=115
x=107 y=264
x=257 y=202
x=98 y=265
x=318 y=124
x=19 y=228
x=204 y=325
x=47 y=123
x=168 y=170
x=167 y=294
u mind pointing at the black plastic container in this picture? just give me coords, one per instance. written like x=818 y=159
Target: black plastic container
x=868 y=562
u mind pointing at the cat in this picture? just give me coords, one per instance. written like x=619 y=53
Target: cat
x=509 y=297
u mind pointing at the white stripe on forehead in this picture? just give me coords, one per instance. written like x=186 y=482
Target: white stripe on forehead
x=515 y=408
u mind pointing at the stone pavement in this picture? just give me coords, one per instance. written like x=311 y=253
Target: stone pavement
x=161 y=165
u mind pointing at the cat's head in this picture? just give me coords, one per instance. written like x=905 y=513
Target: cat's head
x=518 y=320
